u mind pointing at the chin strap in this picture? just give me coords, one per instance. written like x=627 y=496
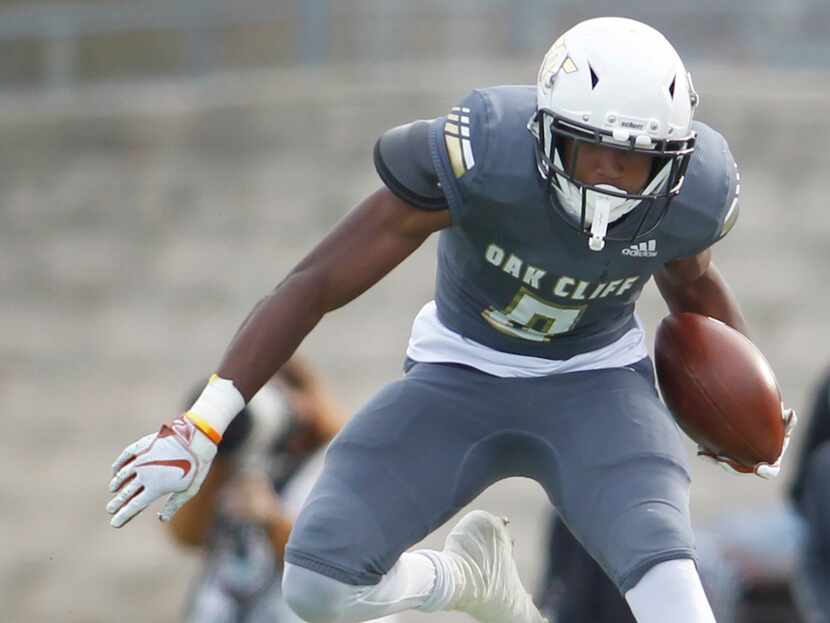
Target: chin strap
x=599 y=224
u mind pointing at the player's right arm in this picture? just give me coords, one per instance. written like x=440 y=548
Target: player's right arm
x=370 y=241
x=382 y=231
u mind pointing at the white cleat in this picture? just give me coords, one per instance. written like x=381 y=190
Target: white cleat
x=490 y=587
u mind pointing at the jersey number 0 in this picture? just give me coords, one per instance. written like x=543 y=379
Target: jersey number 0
x=532 y=318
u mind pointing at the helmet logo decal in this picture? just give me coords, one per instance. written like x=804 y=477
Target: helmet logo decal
x=569 y=66
x=555 y=60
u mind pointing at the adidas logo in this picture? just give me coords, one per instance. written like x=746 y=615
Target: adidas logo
x=643 y=249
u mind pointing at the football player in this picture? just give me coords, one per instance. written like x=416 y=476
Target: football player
x=555 y=204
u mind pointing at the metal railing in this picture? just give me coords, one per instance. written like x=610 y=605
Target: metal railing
x=768 y=31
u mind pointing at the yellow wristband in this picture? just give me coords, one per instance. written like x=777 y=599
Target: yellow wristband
x=203 y=426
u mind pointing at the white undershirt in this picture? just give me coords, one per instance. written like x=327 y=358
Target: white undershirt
x=432 y=342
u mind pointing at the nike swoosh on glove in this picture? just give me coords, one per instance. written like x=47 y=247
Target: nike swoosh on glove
x=173 y=461
x=767 y=471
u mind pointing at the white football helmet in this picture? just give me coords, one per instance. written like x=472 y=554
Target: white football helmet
x=617 y=82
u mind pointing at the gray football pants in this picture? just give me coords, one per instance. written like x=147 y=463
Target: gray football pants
x=603 y=446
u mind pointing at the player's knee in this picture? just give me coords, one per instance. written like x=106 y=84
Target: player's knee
x=646 y=535
x=312 y=596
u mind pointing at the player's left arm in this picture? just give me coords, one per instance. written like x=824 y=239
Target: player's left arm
x=695 y=285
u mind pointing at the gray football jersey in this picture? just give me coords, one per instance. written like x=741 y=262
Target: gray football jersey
x=512 y=275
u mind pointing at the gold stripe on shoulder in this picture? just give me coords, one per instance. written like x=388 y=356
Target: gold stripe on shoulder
x=455 y=154
x=731 y=218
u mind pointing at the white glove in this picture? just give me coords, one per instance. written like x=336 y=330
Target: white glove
x=174 y=460
x=766 y=471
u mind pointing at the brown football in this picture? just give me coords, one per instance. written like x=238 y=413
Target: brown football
x=719 y=387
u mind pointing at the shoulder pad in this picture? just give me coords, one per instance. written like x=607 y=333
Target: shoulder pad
x=403 y=161
x=707 y=207
x=483 y=148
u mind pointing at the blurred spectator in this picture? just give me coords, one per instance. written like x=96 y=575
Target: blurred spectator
x=768 y=565
x=268 y=459
x=811 y=496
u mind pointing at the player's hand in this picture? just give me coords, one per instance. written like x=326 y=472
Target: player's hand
x=174 y=460
x=766 y=471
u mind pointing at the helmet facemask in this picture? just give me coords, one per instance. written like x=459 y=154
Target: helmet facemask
x=591 y=208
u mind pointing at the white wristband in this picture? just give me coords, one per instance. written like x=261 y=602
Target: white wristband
x=218 y=404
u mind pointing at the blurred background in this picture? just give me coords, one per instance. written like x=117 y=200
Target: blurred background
x=164 y=164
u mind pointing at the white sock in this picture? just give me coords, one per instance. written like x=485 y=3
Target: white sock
x=408 y=584
x=670 y=591
x=446 y=582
